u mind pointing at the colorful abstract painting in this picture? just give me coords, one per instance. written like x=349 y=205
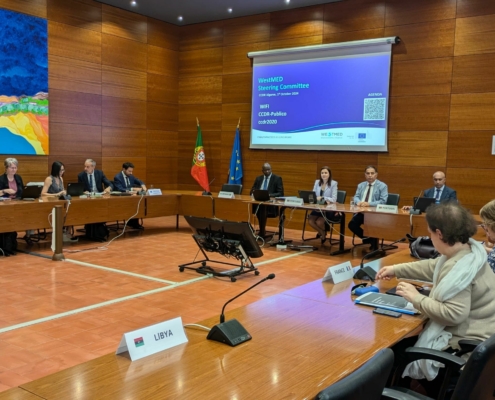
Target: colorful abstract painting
x=23 y=84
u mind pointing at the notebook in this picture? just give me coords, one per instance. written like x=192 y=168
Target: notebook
x=308 y=196
x=261 y=195
x=31 y=192
x=75 y=189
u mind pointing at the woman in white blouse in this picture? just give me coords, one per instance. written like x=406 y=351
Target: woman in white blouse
x=325 y=189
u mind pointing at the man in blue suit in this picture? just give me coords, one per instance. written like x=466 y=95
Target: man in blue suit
x=368 y=194
x=440 y=192
x=93 y=179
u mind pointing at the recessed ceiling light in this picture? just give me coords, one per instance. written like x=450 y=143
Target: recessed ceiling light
x=180 y=18
x=133 y=3
x=287 y=1
x=229 y=10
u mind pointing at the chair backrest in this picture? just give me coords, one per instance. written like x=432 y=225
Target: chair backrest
x=477 y=378
x=367 y=382
x=341 y=195
x=393 y=199
x=230 y=187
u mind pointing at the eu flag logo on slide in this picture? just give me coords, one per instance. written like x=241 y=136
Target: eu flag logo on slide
x=361 y=135
x=139 y=342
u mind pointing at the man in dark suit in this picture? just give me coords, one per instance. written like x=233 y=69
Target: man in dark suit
x=93 y=179
x=273 y=183
x=440 y=192
x=125 y=181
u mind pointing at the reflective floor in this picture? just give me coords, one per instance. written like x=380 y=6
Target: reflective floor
x=58 y=314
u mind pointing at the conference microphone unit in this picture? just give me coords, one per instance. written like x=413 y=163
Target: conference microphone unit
x=232 y=332
x=414 y=210
x=206 y=193
x=366 y=272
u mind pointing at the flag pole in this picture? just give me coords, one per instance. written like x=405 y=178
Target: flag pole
x=239 y=123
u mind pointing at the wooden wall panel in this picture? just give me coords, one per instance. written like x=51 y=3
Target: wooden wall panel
x=296 y=42
x=471 y=149
x=120 y=82
x=162 y=34
x=251 y=29
x=210 y=117
x=125 y=113
x=201 y=36
x=162 y=172
x=471 y=185
x=75 y=108
x=404 y=12
x=472 y=111
x=295 y=23
x=347 y=16
x=201 y=62
x=36 y=8
x=32 y=169
x=74 y=75
x=160 y=143
x=125 y=24
x=75 y=139
x=237 y=88
x=424 y=40
x=123 y=142
x=419 y=113
x=473 y=73
x=162 y=88
x=163 y=61
x=416 y=149
x=354 y=35
x=123 y=53
x=200 y=90
x=235 y=60
x=71 y=42
x=471 y=8
x=230 y=118
x=475 y=35
x=421 y=77
x=75 y=13
x=162 y=116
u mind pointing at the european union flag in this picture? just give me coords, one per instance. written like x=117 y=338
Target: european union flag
x=235 y=172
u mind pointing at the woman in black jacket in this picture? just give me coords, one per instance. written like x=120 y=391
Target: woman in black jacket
x=11 y=184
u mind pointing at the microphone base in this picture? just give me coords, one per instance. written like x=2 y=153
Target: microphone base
x=205 y=193
x=414 y=211
x=365 y=273
x=230 y=332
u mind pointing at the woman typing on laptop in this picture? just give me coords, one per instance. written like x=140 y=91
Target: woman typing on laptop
x=326 y=192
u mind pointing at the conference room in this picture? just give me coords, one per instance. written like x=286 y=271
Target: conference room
x=127 y=87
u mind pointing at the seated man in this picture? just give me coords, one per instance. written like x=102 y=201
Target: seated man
x=93 y=179
x=368 y=194
x=275 y=187
x=125 y=181
x=439 y=192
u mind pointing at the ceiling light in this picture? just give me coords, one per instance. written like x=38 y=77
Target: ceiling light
x=180 y=18
x=133 y=3
x=229 y=10
x=287 y=1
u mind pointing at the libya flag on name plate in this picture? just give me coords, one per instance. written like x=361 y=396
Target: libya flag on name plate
x=198 y=169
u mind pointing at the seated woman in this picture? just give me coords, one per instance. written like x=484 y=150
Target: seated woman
x=54 y=184
x=487 y=212
x=325 y=188
x=461 y=304
x=11 y=186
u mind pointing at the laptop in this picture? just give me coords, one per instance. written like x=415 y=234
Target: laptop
x=31 y=192
x=423 y=203
x=308 y=196
x=75 y=189
x=261 y=195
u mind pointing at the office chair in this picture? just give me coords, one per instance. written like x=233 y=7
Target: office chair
x=230 y=187
x=341 y=196
x=476 y=380
x=367 y=382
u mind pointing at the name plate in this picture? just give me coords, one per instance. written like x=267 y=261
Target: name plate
x=293 y=201
x=386 y=208
x=339 y=273
x=226 y=195
x=154 y=192
x=153 y=339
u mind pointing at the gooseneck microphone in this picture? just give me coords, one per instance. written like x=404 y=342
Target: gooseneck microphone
x=222 y=317
x=366 y=272
x=414 y=210
x=232 y=332
x=206 y=193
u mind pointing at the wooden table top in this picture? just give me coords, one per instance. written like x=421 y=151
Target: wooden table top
x=304 y=340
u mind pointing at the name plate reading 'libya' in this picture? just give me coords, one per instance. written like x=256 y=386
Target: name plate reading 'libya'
x=153 y=339
x=387 y=209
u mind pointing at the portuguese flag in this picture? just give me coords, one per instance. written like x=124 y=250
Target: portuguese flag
x=198 y=169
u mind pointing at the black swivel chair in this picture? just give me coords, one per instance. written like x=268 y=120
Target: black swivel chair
x=230 y=187
x=367 y=382
x=341 y=196
x=476 y=380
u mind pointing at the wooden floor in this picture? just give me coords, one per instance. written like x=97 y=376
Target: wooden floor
x=58 y=314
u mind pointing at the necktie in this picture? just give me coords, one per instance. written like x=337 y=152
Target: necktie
x=368 y=193
x=128 y=183
x=265 y=183
x=91 y=185
x=437 y=196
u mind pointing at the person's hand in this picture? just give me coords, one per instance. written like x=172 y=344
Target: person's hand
x=107 y=190
x=9 y=191
x=406 y=208
x=363 y=204
x=385 y=273
x=407 y=291
x=62 y=193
